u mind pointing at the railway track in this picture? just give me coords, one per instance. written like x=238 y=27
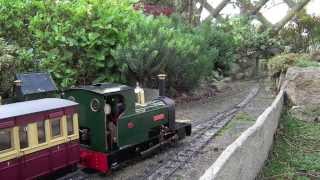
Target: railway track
x=202 y=134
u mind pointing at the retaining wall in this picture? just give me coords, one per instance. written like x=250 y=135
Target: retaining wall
x=244 y=158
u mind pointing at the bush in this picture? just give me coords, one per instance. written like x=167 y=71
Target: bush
x=85 y=41
x=156 y=45
x=8 y=66
x=215 y=37
x=302 y=34
x=248 y=40
x=72 y=39
x=279 y=64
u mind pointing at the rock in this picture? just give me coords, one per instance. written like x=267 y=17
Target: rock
x=220 y=86
x=274 y=51
x=303 y=86
x=248 y=73
x=234 y=68
x=239 y=76
x=306 y=113
x=227 y=79
x=315 y=56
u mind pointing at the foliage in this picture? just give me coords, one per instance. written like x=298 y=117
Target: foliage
x=158 y=45
x=12 y=60
x=72 y=39
x=217 y=37
x=85 y=41
x=279 y=64
x=7 y=67
x=302 y=33
x=248 y=40
x=241 y=119
x=295 y=153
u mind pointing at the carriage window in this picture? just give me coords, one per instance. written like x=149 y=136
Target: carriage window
x=56 y=127
x=41 y=132
x=23 y=136
x=5 y=139
x=70 y=125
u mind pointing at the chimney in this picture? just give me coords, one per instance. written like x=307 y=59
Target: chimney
x=162 y=84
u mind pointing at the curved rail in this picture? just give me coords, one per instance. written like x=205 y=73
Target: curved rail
x=204 y=133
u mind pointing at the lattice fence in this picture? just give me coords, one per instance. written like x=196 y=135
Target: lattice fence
x=253 y=10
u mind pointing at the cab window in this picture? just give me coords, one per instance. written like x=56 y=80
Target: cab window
x=56 y=127
x=41 y=132
x=5 y=139
x=23 y=136
x=70 y=125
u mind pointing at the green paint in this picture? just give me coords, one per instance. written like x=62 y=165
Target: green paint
x=95 y=121
x=140 y=116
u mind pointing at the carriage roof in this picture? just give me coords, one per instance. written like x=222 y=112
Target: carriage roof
x=35 y=106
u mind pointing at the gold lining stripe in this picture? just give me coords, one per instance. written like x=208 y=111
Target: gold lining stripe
x=34 y=146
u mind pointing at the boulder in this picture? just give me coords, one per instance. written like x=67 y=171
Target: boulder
x=227 y=79
x=303 y=86
x=249 y=72
x=220 y=86
x=234 y=68
x=239 y=76
x=306 y=113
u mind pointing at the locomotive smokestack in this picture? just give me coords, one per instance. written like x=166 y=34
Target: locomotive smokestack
x=162 y=84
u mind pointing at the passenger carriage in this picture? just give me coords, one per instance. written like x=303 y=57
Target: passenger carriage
x=38 y=137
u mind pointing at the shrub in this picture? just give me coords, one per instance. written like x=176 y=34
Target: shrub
x=302 y=33
x=157 y=45
x=279 y=64
x=7 y=67
x=72 y=39
x=215 y=37
x=248 y=40
x=85 y=41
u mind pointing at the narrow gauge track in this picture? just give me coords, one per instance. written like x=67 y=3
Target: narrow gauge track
x=202 y=134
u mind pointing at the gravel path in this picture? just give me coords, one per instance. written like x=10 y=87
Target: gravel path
x=197 y=166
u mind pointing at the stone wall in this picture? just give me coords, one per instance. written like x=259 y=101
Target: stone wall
x=244 y=158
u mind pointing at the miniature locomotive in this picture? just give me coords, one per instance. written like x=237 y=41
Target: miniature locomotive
x=114 y=123
x=113 y=127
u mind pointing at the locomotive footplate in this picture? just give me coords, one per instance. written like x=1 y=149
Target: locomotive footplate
x=150 y=147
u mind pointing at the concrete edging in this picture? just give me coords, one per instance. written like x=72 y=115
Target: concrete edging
x=244 y=158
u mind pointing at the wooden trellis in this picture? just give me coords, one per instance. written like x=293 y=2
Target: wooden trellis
x=253 y=10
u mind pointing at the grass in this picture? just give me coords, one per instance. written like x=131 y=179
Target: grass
x=296 y=151
x=240 y=118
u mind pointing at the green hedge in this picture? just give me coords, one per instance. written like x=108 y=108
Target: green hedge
x=72 y=39
x=85 y=41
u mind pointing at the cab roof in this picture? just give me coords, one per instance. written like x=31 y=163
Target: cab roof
x=35 y=106
x=104 y=88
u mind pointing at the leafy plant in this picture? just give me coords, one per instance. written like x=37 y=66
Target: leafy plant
x=7 y=67
x=279 y=64
x=71 y=39
x=161 y=45
x=302 y=33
